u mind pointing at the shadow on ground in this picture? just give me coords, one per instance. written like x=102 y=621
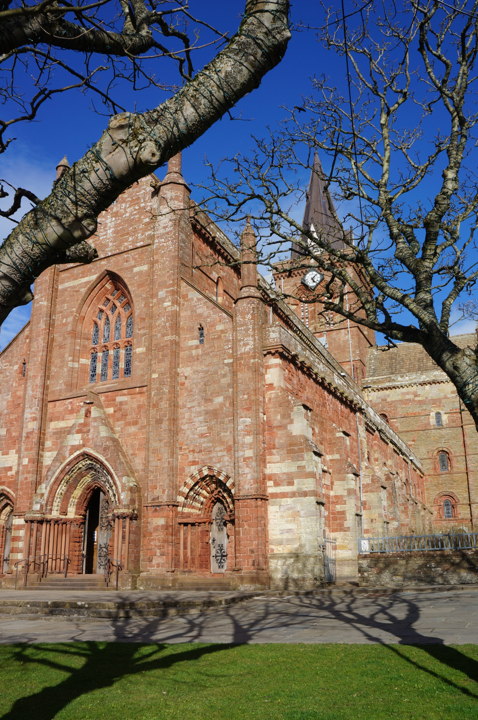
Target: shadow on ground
x=100 y=667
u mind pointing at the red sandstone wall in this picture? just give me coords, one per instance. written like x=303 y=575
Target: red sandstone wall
x=12 y=392
x=411 y=413
x=206 y=386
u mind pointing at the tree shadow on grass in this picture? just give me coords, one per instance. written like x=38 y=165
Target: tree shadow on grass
x=396 y=616
x=106 y=663
x=389 y=620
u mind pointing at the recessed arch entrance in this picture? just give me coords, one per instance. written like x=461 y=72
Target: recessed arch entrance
x=206 y=522
x=84 y=524
x=6 y=525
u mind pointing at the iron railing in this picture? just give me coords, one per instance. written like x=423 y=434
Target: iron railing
x=112 y=566
x=46 y=563
x=418 y=543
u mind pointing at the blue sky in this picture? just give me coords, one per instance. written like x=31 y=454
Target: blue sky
x=67 y=125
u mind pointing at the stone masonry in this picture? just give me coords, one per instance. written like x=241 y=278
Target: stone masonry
x=163 y=409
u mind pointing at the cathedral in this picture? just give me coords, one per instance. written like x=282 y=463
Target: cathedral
x=164 y=414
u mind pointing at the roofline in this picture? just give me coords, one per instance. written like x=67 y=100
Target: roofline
x=14 y=338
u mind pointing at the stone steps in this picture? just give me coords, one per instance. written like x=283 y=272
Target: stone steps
x=74 y=582
x=113 y=609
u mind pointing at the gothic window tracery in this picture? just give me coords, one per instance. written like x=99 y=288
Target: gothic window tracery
x=111 y=352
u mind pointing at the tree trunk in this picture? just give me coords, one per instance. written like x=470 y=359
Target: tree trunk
x=134 y=145
x=460 y=364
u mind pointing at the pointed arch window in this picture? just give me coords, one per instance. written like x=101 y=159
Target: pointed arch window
x=111 y=354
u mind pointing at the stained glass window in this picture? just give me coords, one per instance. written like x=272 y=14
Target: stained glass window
x=93 y=362
x=447 y=509
x=106 y=331
x=128 y=355
x=438 y=420
x=443 y=460
x=129 y=327
x=104 y=365
x=116 y=363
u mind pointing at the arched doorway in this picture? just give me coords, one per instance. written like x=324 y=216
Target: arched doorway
x=206 y=522
x=86 y=501
x=97 y=530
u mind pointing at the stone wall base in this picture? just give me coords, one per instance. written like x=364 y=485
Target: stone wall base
x=178 y=580
x=296 y=571
x=414 y=569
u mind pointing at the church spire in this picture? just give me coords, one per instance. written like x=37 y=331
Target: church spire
x=318 y=215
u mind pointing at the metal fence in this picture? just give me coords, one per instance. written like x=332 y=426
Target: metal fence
x=417 y=543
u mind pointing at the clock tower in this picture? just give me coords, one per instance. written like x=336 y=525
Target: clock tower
x=303 y=283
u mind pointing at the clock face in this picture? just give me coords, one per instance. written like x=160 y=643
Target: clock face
x=312 y=278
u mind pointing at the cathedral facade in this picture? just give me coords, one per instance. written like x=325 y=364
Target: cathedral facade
x=164 y=411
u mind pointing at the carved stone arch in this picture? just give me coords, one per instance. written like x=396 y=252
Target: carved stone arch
x=86 y=308
x=7 y=498
x=76 y=481
x=203 y=489
x=439 y=504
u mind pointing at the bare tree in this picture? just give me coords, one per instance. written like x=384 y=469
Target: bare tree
x=134 y=144
x=400 y=151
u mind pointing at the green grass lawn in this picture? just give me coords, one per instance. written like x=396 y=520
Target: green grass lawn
x=224 y=682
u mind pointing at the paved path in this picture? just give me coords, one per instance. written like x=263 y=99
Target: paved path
x=405 y=617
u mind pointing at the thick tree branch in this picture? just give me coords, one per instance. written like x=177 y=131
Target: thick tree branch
x=134 y=145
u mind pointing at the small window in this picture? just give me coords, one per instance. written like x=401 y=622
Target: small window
x=384 y=418
x=444 y=462
x=118 y=328
x=128 y=356
x=447 y=509
x=93 y=364
x=438 y=419
x=129 y=327
x=201 y=335
x=116 y=363
x=106 y=330
x=104 y=365
x=24 y=367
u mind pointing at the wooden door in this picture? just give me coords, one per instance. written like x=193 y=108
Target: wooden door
x=218 y=539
